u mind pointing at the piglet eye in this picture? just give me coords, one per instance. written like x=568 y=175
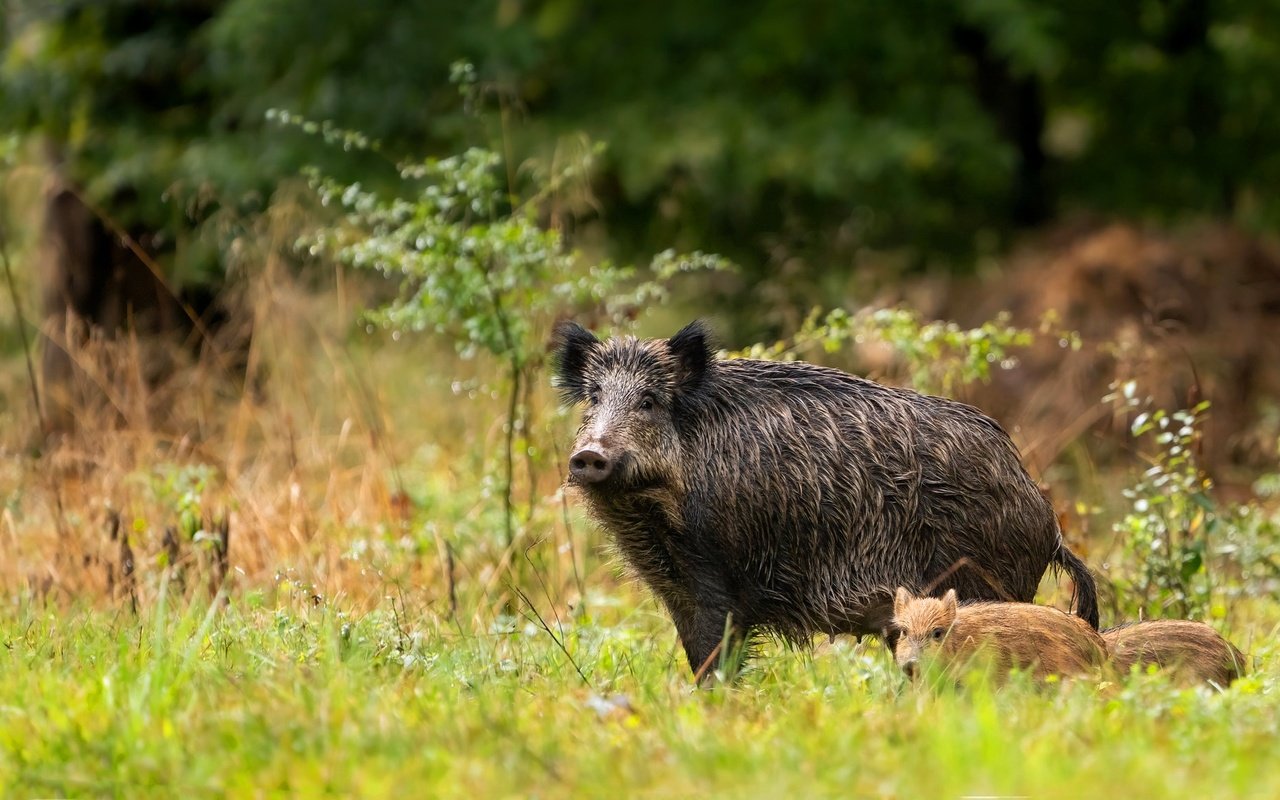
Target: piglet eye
x=938 y=633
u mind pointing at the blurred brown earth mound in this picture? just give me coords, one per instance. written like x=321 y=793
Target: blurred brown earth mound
x=1188 y=316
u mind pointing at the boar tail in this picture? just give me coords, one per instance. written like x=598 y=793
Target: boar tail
x=1086 y=592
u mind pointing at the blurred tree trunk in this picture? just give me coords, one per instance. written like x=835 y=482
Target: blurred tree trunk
x=1016 y=103
x=94 y=286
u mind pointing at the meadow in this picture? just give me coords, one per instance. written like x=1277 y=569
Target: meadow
x=304 y=701
x=306 y=535
x=356 y=571
x=371 y=633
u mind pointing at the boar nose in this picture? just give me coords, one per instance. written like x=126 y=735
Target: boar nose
x=589 y=465
x=910 y=669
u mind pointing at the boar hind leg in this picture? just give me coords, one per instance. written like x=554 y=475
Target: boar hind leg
x=711 y=641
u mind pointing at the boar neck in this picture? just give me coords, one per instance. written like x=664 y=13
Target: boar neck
x=646 y=527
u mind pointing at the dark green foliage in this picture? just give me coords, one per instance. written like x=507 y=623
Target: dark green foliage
x=474 y=264
x=121 y=93
x=1180 y=106
x=157 y=109
x=766 y=130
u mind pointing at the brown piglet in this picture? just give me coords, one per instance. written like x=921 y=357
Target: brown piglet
x=1191 y=652
x=1041 y=639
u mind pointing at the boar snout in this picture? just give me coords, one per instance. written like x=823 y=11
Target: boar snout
x=590 y=465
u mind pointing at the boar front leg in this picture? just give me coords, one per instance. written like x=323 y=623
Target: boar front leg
x=711 y=640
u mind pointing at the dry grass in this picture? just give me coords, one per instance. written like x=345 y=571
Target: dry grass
x=379 y=639
x=348 y=462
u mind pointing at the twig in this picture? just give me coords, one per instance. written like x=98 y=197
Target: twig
x=546 y=590
x=706 y=665
x=157 y=272
x=568 y=531
x=965 y=561
x=450 y=580
x=127 y=564
x=22 y=327
x=543 y=624
x=220 y=559
x=513 y=407
x=174 y=556
x=527 y=425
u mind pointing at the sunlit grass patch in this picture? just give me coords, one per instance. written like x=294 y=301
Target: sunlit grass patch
x=312 y=700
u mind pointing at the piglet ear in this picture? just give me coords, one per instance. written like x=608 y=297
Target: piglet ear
x=950 y=602
x=571 y=346
x=900 y=600
x=694 y=352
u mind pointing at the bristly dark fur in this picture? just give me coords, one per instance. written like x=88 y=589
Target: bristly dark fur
x=796 y=498
x=693 y=350
x=571 y=343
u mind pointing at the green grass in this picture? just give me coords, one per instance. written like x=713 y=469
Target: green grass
x=309 y=701
x=359 y=695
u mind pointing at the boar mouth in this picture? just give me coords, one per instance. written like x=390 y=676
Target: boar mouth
x=625 y=478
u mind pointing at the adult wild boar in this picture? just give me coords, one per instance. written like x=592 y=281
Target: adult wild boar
x=792 y=498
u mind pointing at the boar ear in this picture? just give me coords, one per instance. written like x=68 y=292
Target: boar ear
x=571 y=346
x=900 y=600
x=692 y=348
x=950 y=602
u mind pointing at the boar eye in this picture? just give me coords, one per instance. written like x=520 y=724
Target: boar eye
x=646 y=403
x=938 y=633
x=593 y=397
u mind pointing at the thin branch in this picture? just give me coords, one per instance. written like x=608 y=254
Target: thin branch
x=705 y=667
x=546 y=590
x=560 y=644
x=568 y=531
x=22 y=327
x=965 y=561
x=508 y=502
x=495 y=299
x=220 y=357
